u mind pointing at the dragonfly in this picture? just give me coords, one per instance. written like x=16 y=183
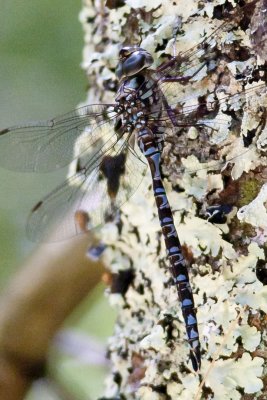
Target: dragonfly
x=113 y=144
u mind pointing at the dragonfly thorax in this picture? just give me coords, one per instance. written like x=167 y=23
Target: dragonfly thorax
x=138 y=98
x=131 y=116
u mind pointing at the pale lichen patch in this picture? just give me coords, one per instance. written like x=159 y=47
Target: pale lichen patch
x=155 y=340
x=228 y=375
x=255 y=213
x=184 y=390
x=204 y=238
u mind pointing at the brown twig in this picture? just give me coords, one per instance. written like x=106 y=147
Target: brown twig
x=38 y=299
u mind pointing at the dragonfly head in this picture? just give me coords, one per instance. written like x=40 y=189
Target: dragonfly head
x=132 y=60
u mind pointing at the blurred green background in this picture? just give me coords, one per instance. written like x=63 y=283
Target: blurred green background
x=40 y=50
x=40 y=77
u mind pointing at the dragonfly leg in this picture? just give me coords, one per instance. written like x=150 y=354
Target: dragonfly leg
x=170 y=111
x=182 y=79
x=178 y=267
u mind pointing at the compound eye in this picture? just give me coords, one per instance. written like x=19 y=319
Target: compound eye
x=132 y=60
x=125 y=52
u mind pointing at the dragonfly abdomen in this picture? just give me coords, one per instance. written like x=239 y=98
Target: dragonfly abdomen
x=148 y=145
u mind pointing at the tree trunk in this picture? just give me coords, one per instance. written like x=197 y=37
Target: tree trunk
x=226 y=250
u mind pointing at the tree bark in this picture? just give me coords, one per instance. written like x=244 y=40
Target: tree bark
x=148 y=351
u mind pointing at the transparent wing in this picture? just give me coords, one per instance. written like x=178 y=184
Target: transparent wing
x=199 y=54
x=187 y=64
x=47 y=146
x=217 y=129
x=97 y=190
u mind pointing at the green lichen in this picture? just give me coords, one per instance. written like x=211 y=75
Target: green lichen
x=248 y=191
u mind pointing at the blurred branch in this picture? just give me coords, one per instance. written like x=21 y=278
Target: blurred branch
x=38 y=299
